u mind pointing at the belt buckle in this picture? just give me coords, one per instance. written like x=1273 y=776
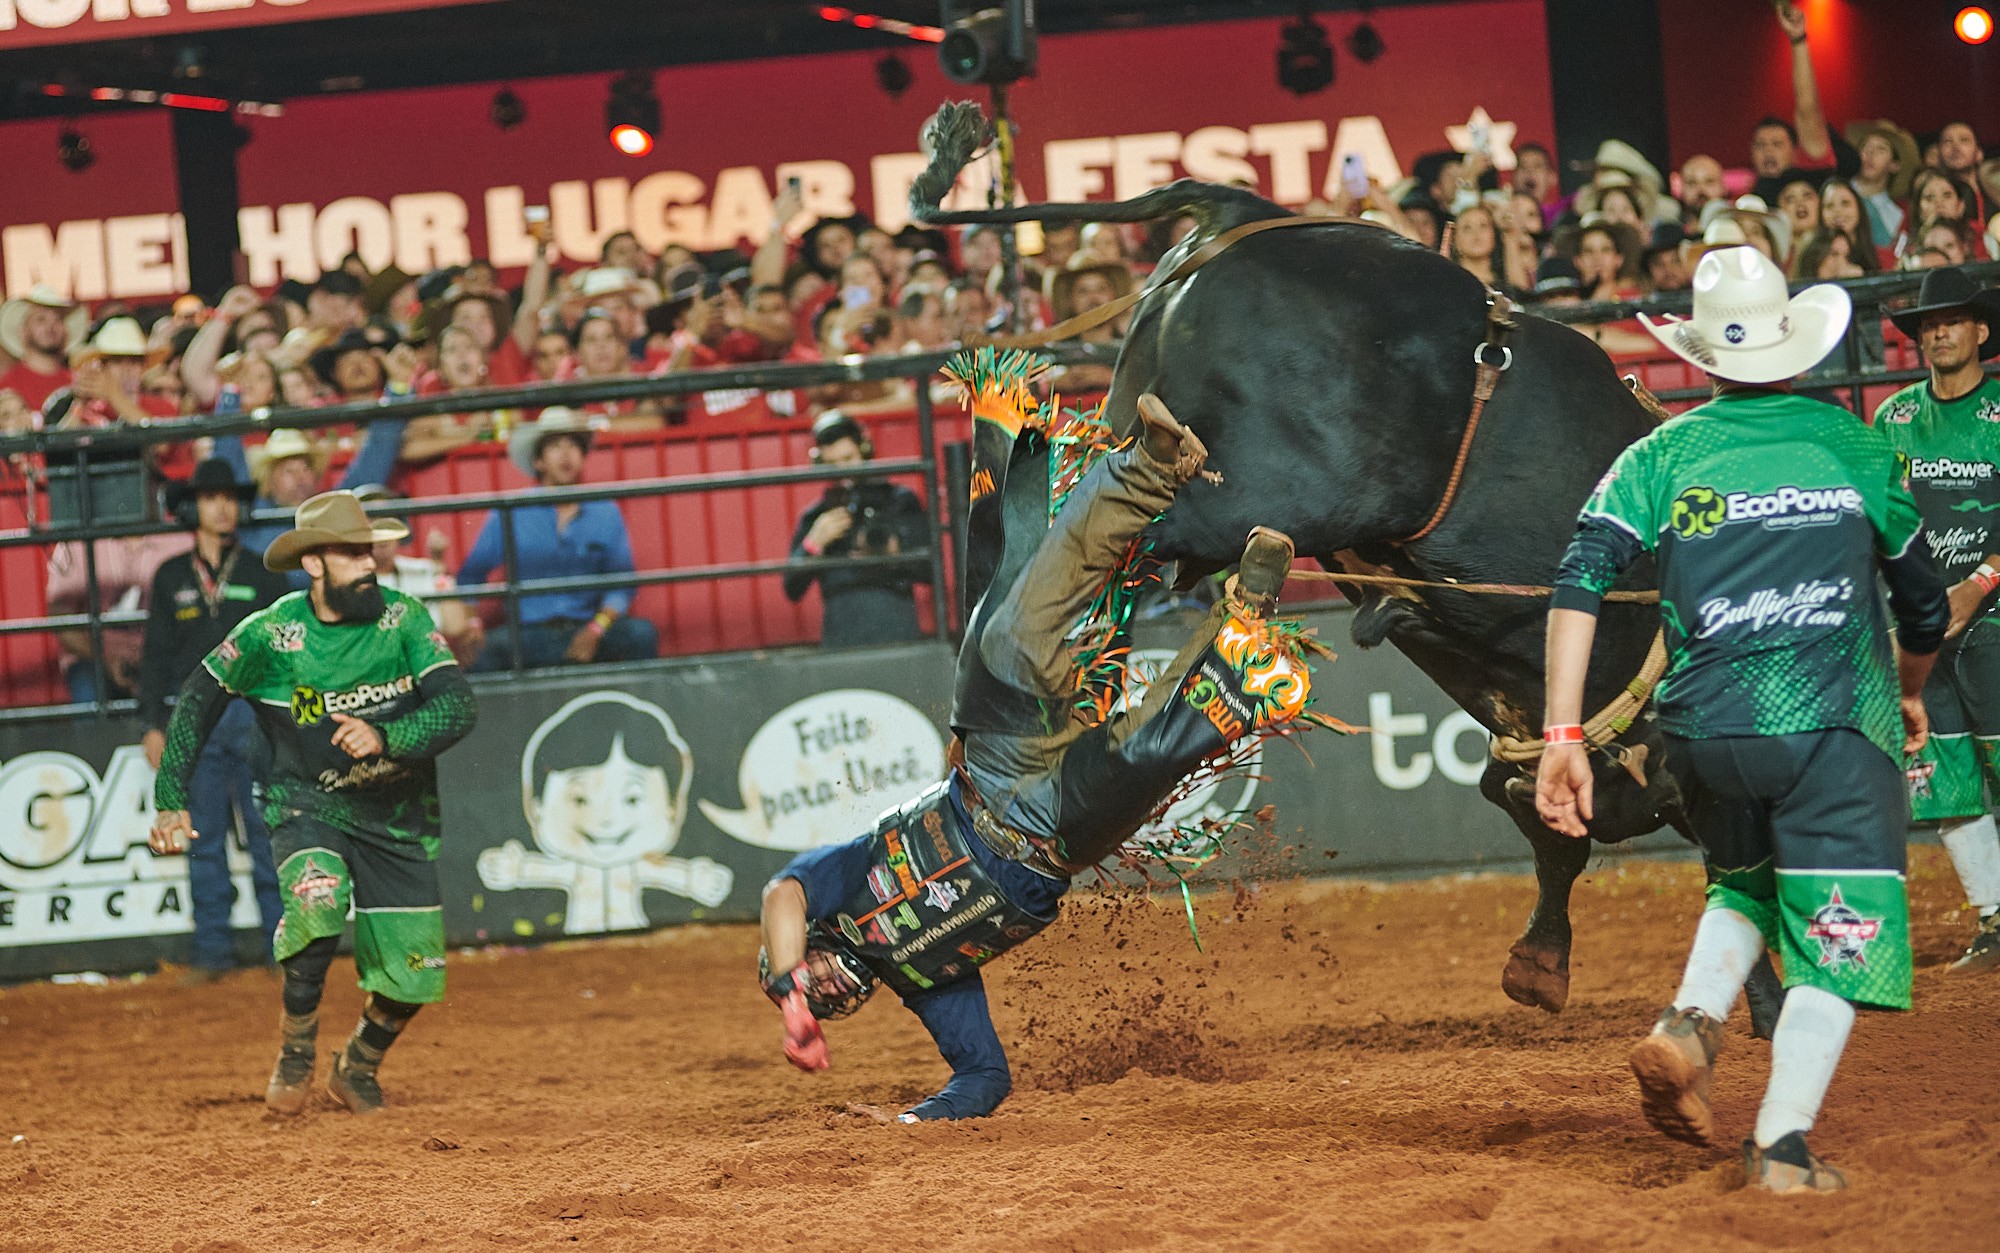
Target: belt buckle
x=1001 y=838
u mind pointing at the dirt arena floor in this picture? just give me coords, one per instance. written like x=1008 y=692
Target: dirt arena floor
x=1339 y=1070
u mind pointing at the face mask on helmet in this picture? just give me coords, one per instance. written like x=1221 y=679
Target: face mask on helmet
x=835 y=983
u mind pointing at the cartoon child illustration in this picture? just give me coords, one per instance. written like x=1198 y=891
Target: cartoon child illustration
x=598 y=792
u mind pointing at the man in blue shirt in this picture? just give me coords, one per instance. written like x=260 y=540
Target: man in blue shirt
x=560 y=541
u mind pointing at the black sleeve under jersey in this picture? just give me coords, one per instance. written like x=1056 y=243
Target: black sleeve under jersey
x=1917 y=598
x=200 y=706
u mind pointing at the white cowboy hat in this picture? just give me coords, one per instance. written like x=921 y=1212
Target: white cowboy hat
x=1616 y=154
x=76 y=319
x=616 y=280
x=118 y=337
x=329 y=518
x=1776 y=225
x=1744 y=329
x=285 y=442
x=524 y=442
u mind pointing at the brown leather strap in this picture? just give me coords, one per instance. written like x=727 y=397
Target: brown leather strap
x=1498 y=325
x=1070 y=328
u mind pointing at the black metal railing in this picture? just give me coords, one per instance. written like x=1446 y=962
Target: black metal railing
x=78 y=446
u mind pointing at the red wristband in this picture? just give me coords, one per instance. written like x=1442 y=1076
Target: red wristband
x=1986 y=578
x=811 y=549
x=1567 y=733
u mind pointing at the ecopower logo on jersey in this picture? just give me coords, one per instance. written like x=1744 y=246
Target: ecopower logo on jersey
x=1788 y=507
x=1949 y=470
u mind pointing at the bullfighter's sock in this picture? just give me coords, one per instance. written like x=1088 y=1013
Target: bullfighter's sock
x=1812 y=1033
x=1726 y=946
x=1975 y=853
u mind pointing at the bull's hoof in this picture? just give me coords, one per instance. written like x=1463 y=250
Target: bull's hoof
x=1537 y=976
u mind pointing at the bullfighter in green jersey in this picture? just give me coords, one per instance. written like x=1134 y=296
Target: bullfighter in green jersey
x=1770 y=516
x=357 y=694
x=1948 y=429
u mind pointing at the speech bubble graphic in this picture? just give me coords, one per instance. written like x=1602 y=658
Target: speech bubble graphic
x=824 y=769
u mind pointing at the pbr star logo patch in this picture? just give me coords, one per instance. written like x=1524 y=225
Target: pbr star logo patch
x=1843 y=934
x=1697 y=512
x=1919 y=774
x=316 y=886
x=288 y=637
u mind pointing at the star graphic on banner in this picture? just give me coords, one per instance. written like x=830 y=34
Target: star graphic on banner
x=1499 y=138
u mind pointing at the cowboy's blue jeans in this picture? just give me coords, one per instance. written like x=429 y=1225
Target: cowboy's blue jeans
x=222 y=777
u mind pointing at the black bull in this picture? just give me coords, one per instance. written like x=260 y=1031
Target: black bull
x=1330 y=372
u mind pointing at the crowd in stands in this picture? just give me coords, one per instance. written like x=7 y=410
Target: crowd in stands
x=1823 y=203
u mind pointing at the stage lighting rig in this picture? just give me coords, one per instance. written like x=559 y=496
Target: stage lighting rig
x=994 y=45
x=1305 y=58
x=74 y=151
x=632 y=115
x=507 y=111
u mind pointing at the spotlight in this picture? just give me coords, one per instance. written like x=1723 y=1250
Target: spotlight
x=1305 y=58
x=632 y=115
x=74 y=151
x=507 y=111
x=1366 y=43
x=892 y=74
x=1973 y=24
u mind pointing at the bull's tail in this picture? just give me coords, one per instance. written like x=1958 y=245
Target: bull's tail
x=959 y=129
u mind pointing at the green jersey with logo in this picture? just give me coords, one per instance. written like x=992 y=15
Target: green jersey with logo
x=1767 y=512
x=298 y=673
x=1952 y=450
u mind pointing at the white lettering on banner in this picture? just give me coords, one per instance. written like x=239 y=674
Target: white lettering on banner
x=507 y=242
x=278 y=245
x=69 y=259
x=1140 y=163
x=430 y=231
x=822 y=769
x=1073 y=167
x=1386 y=726
x=74 y=864
x=1216 y=153
x=92 y=259
x=666 y=209
x=579 y=232
x=1808 y=604
x=355 y=224
x=1290 y=146
x=139 y=255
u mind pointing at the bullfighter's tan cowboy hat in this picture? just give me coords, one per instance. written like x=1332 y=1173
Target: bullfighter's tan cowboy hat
x=327 y=519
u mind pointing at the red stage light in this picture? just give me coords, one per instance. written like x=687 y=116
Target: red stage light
x=1973 y=24
x=631 y=141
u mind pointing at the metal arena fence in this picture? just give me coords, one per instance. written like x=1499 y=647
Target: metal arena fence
x=734 y=551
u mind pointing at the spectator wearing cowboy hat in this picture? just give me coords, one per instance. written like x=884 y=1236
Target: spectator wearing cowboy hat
x=197 y=599
x=1769 y=233
x=560 y=541
x=334 y=303
x=36 y=331
x=105 y=389
x=1790 y=723
x=1087 y=283
x=1618 y=197
x=621 y=296
x=1620 y=165
x=1889 y=160
x=288 y=466
x=351 y=366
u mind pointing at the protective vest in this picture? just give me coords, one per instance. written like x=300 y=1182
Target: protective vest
x=927 y=913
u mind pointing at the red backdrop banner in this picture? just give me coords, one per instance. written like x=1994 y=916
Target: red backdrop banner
x=34 y=23
x=423 y=178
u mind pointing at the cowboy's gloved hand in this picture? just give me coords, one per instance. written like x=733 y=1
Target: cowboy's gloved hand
x=805 y=1043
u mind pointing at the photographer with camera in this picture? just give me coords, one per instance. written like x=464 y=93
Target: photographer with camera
x=860 y=518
